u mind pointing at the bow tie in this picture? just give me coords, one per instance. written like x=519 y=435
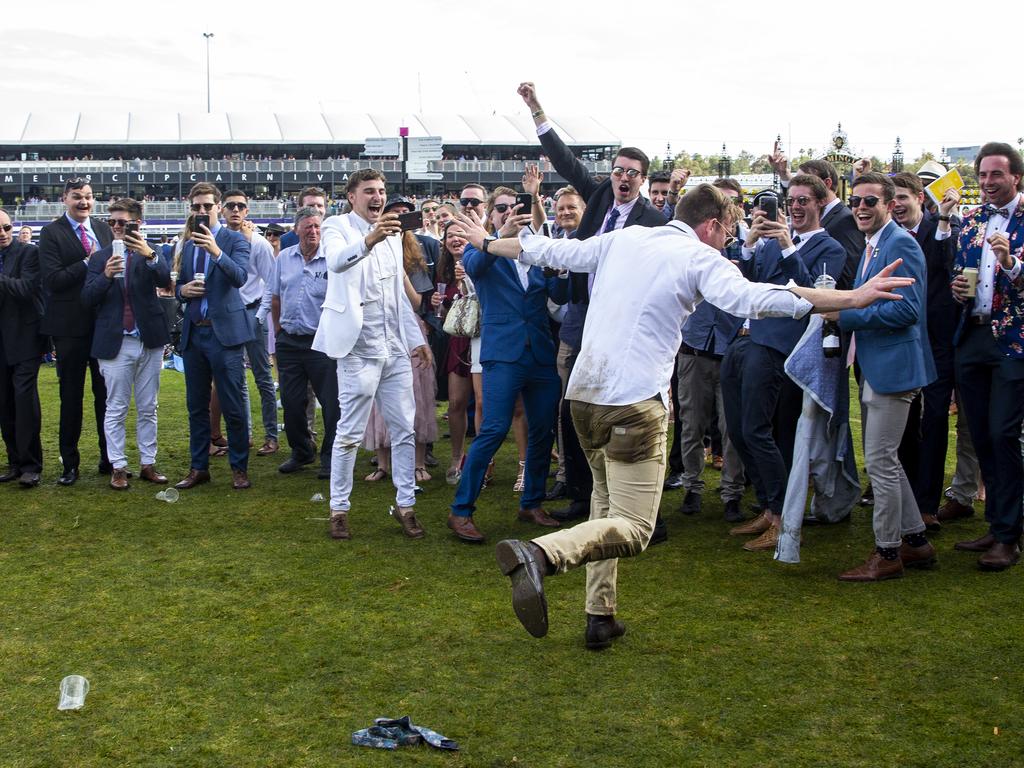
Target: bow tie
x=991 y=210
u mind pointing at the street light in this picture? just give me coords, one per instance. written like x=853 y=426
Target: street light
x=669 y=162
x=208 y=35
x=724 y=164
x=897 y=157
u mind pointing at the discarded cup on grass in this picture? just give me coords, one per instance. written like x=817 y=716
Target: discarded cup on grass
x=170 y=495
x=317 y=497
x=72 y=692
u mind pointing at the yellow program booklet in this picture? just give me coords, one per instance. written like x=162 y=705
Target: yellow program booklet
x=937 y=189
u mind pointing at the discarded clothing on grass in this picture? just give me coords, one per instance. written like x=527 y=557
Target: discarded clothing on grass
x=386 y=733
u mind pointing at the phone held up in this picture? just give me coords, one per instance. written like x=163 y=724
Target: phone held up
x=411 y=221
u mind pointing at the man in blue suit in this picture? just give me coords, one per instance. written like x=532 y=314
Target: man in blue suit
x=129 y=337
x=214 y=265
x=762 y=404
x=890 y=343
x=518 y=357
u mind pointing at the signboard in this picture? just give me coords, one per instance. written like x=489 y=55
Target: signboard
x=426 y=176
x=382 y=147
x=425 y=148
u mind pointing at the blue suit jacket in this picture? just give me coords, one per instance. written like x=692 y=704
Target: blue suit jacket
x=510 y=316
x=820 y=253
x=108 y=297
x=226 y=310
x=892 y=336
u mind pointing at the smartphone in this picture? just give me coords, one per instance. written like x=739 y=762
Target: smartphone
x=411 y=220
x=132 y=228
x=200 y=220
x=770 y=205
x=525 y=199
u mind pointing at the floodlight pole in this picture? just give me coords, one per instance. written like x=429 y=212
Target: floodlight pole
x=207 y=35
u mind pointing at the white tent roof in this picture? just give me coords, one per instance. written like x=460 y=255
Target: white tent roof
x=139 y=128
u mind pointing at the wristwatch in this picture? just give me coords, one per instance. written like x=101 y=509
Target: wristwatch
x=483 y=245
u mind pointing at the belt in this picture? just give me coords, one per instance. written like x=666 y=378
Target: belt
x=253 y=304
x=207 y=323
x=743 y=332
x=686 y=349
x=979 y=319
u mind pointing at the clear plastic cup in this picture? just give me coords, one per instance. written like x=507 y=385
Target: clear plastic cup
x=170 y=495
x=72 y=692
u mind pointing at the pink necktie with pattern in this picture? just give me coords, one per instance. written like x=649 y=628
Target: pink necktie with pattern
x=853 y=337
x=84 y=237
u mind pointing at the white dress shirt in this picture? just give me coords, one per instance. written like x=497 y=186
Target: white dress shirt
x=380 y=336
x=648 y=280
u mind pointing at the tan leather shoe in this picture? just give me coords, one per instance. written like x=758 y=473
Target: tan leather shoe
x=538 y=516
x=464 y=529
x=195 y=477
x=119 y=479
x=917 y=557
x=759 y=524
x=406 y=517
x=269 y=446
x=766 y=541
x=240 y=480
x=953 y=510
x=877 y=568
x=931 y=522
x=150 y=475
x=339 y=525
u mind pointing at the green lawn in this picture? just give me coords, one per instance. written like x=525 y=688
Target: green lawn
x=229 y=630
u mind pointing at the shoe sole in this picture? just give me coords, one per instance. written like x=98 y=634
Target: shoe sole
x=995 y=568
x=528 y=602
x=600 y=645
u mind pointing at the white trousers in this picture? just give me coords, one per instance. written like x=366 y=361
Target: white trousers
x=360 y=382
x=135 y=368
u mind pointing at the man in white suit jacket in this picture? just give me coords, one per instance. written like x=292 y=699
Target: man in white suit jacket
x=369 y=327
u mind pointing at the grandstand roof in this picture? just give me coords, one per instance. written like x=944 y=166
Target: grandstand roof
x=142 y=128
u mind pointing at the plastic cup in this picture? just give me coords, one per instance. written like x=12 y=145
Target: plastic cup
x=174 y=276
x=200 y=277
x=971 y=273
x=72 y=692
x=825 y=281
x=170 y=495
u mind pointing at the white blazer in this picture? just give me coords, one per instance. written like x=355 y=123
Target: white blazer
x=341 y=321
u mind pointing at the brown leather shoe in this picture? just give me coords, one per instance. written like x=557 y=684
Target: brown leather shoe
x=759 y=524
x=999 y=557
x=339 y=526
x=150 y=475
x=953 y=510
x=119 y=479
x=766 y=541
x=931 y=522
x=538 y=516
x=877 y=568
x=269 y=446
x=240 y=480
x=195 y=477
x=464 y=529
x=917 y=557
x=406 y=517
x=984 y=544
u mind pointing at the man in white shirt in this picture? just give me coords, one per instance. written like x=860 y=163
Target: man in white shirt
x=369 y=327
x=646 y=282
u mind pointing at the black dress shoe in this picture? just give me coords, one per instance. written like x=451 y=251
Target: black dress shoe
x=673 y=482
x=1000 y=556
x=9 y=475
x=733 y=513
x=525 y=564
x=691 y=504
x=557 y=491
x=601 y=630
x=291 y=465
x=29 y=479
x=660 y=534
x=577 y=510
x=810 y=519
x=70 y=477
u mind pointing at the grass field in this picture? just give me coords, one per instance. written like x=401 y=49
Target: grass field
x=229 y=630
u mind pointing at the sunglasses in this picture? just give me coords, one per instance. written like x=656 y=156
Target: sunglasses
x=799 y=199
x=119 y=222
x=730 y=238
x=429 y=210
x=618 y=171
x=76 y=183
x=469 y=202
x=502 y=207
x=232 y=206
x=196 y=207
x=870 y=200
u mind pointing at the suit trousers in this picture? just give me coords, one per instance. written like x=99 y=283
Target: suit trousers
x=698 y=391
x=20 y=414
x=675 y=451
x=885 y=417
x=502 y=383
x=992 y=396
x=579 y=483
x=207 y=360
x=259 y=363
x=625 y=445
x=135 y=368
x=72 y=362
x=361 y=381
x=299 y=367
x=562 y=366
x=926 y=437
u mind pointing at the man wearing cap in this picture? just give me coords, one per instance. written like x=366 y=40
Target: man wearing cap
x=369 y=327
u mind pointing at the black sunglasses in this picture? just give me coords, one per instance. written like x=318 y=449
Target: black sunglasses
x=871 y=200
x=76 y=183
x=202 y=206
x=235 y=206
x=6 y=227
x=467 y=202
x=502 y=207
x=801 y=199
x=119 y=222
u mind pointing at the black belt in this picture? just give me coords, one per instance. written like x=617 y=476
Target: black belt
x=979 y=319
x=686 y=349
x=253 y=304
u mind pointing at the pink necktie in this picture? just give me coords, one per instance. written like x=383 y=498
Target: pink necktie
x=852 y=353
x=84 y=237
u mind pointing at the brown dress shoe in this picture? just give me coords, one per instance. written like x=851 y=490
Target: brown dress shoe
x=538 y=516
x=240 y=480
x=339 y=526
x=150 y=475
x=931 y=522
x=999 y=557
x=917 y=557
x=195 y=477
x=759 y=524
x=766 y=541
x=119 y=479
x=877 y=568
x=953 y=510
x=464 y=529
x=269 y=446
x=976 y=545
x=406 y=517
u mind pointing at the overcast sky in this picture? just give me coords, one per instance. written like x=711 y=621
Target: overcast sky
x=693 y=74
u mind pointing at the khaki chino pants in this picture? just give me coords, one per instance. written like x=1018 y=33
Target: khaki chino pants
x=625 y=446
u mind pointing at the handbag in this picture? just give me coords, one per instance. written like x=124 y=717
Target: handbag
x=463 y=317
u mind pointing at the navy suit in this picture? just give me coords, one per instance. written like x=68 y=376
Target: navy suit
x=212 y=348
x=762 y=404
x=517 y=353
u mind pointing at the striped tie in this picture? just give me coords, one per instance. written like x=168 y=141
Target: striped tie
x=84 y=237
